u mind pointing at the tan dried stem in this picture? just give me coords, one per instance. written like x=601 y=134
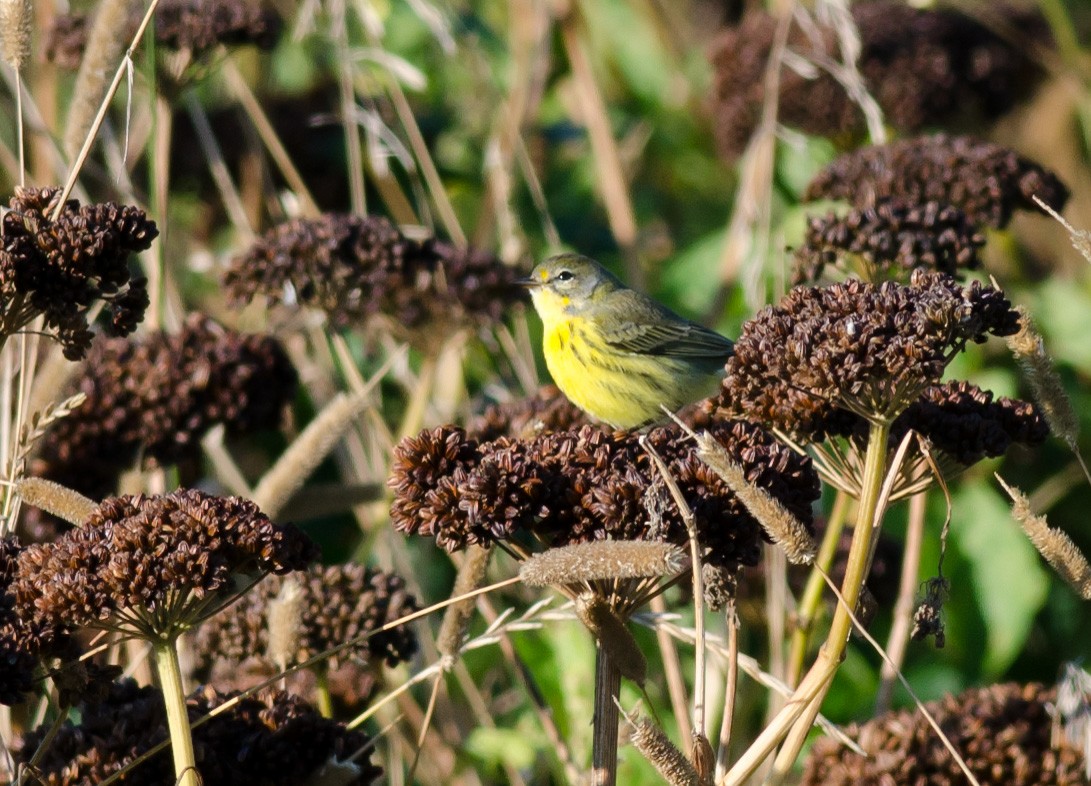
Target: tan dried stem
x=456 y=619
x=1063 y=555
x=786 y=530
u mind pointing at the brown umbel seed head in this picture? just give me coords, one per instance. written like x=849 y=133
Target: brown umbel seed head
x=59 y=269
x=1001 y=731
x=987 y=182
x=925 y=67
x=825 y=356
x=361 y=269
x=153 y=566
x=155 y=397
x=272 y=738
x=587 y=485
x=195 y=26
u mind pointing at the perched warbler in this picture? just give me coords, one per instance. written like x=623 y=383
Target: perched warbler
x=615 y=353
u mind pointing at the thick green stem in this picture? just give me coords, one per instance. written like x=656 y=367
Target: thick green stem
x=174 y=699
x=606 y=719
x=802 y=706
x=322 y=695
x=812 y=592
x=855 y=575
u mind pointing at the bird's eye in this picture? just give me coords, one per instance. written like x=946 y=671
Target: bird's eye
x=564 y=275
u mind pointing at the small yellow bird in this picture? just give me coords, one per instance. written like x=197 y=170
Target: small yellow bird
x=615 y=353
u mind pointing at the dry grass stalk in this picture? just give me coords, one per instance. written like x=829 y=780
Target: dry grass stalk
x=656 y=747
x=106 y=42
x=1029 y=350
x=54 y=498
x=456 y=619
x=602 y=559
x=283 y=618
x=1059 y=551
x=613 y=636
x=1081 y=238
x=15 y=21
x=784 y=528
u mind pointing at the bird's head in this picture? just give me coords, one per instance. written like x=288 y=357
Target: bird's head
x=568 y=283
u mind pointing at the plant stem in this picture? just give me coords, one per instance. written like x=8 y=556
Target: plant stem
x=322 y=691
x=903 y=607
x=812 y=592
x=807 y=697
x=855 y=575
x=606 y=719
x=174 y=699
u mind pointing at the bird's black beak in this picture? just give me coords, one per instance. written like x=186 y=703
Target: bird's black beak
x=528 y=283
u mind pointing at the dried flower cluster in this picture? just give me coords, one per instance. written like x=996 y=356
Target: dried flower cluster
x=337 y=604
x=359 y=268
x=891 y=239
x=155 y=397
x=806 y=364
x=195 y=26
x=586 y=485
x=22 y=640
x=547 y=410
x=1002 y=732
x=153 y=566
x=59 y=269
x=924 y=67
x=985 y=181
x=273 y=738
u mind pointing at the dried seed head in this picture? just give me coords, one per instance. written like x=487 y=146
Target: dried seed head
x=338 y=603
x=655 y=746
x=197 y=27
x=892 y=238
x=925 y=67
x=1063 y=555
x=273 y=738
x=526 y=418
x=613 y=635
x=602 y=559
x=823 y=357
x=157 y=396
x=588 y=485
x=1002 y=733
x=16 y=18
x=56 y=499
x=1029 y=350
x=985 y=181
x=362 y=269
x=59 y=269
x=150 y=567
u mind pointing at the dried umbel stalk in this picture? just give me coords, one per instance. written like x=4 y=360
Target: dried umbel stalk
x=362 y=269
x=987 y=182
x=155 y=397
x=336 y=604
x=1001 y=731
x=889 y=240
x=587 y=485
x=59 y=269
x=824 y=356
x=925 y=67
x=16 y=19
x=198 y=27
x=272 y=738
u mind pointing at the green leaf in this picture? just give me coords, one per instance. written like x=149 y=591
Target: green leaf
x=513 y=747
x=1009 y=583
